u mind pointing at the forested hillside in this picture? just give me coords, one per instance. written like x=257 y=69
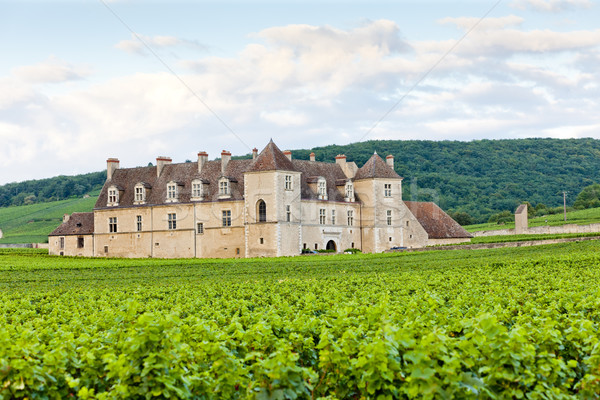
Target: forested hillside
x=480 y=177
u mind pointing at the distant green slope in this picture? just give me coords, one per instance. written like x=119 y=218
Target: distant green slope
x=33 y=223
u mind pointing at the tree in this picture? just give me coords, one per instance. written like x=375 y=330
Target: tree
x=462 y=218
x=589 y=197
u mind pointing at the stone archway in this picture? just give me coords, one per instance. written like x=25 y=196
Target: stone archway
x=331 y=245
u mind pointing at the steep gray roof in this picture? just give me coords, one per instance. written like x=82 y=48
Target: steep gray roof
x=435 y=221
x=312 y=170
x=375 y=167
x=271 y=159
x=78 y=224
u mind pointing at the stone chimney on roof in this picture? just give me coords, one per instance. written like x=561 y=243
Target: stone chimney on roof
x=161 y=161
x=202 y=158
x=254 y=153
x=312 y=156
x=390 y=161
x=288 y=154
x=225 y=158
x=112 y=164
x=340 y=159
x=66 y=218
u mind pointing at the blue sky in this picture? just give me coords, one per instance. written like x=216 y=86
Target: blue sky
x=77 y=87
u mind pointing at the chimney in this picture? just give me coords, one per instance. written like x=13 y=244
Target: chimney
x=202 y=158
x=66 y=218
x=254 y=153
x=112 y=164
x=225 y=158
x=390 y=161
x=312 y=156
x=288 y=154
x=340 y=159
x=161 y=161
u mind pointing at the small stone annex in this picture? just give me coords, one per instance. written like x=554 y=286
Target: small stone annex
x=267 y=206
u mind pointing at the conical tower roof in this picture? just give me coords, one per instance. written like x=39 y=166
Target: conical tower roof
x=271 y=159
x=376 y=168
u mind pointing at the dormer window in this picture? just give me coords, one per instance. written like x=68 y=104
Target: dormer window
x=349 y=191
x=113 y=196
x=322 y=188
x=197 y=190
x=139 y=194
x=224 y=188
x=172 y=192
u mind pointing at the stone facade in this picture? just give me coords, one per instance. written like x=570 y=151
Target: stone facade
x=269 y=206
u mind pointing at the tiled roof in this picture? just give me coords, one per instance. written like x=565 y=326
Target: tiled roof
x=182 y=174
x=435 y=221
x=78 y=224
x=375 y=167
x=312 y=170
x=271 y=159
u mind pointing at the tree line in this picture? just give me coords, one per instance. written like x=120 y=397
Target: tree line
x=472 y=180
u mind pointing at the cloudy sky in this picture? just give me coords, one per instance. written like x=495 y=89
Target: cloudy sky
x=84 y=80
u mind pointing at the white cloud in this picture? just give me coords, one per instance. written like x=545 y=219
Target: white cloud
x=52 y=70
x=552 y=6
x=309 y=86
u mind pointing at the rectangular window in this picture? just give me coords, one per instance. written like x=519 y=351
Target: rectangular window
x=106 y=249
x=226 y=217
x=332 y=217
x=389 y=217
x=196 y=189
x=80 y=242
x=200 y=228
x=288 y=213
x=387 y=190
x=172 y=219
x=322 y=187
x=350 y=217
x=62 y=242
x=288 y=182
x=322 y=216
x=139 y=193
x=224 y=187
x=139 y=223
x=112 y=224
x=171 y=191
x=113 y=196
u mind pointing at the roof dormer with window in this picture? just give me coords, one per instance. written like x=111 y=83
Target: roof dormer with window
x=322 y=188
x=224 y=188
x=139 y=193
x=349 y=192
x=113 y=196
x=197 y=190
x=172 y=192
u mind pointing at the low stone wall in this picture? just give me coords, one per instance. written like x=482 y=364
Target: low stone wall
x=481 y=246
x=549 y=230
x=16 y=246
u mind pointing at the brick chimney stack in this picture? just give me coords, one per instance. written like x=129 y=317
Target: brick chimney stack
x=312 y=156
x=112 y=164
x=340 y=159
x=390 y=161
x=202 y=158
x=288 y=154
x=225 y=158
x=254 y=153
x=161 y=161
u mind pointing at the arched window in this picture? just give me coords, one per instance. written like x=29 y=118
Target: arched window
x=261 y=210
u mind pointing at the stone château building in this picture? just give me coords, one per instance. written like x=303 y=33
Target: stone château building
x=270 y=205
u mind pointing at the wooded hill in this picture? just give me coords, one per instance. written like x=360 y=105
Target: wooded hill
x=480 y=177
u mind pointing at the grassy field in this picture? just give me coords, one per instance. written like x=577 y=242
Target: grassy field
x=33 y=223
x=485 y=324
x=580 y=217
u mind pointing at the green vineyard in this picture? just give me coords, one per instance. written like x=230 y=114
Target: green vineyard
x=485 y=324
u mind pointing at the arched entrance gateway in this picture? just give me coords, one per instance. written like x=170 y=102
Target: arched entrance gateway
x=331 y=245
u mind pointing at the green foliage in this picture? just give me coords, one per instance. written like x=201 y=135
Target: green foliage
x=589 y=197
x=462 y=217
x=51 y=189
x=501 y=218
x=486 y=324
